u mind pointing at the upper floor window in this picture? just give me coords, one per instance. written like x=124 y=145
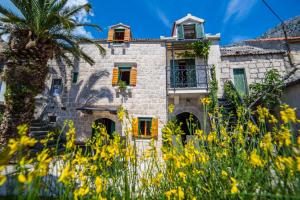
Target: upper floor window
x=189 y=31
x=56 y=88
x=119 y=35
x=240 y=81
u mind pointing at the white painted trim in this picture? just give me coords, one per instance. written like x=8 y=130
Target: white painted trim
x=188 y=91
x=143 y=116
x=189 y=17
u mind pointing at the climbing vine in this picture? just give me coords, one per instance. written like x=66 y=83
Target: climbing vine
x=197 y=49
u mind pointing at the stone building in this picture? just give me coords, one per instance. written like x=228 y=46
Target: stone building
x=145 y=76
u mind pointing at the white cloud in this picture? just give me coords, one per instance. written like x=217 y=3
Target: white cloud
x=238 y=9
x=82 y=17
x=159 y=13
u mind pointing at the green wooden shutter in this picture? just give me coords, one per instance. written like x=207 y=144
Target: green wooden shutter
x=199 y=30
x=240 y=81
x=174 y=73
x=180 y=32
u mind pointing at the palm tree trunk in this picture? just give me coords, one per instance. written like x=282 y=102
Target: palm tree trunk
x=25 y=74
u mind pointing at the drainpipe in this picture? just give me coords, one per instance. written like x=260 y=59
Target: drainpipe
x=167 y=90
x=173 y=63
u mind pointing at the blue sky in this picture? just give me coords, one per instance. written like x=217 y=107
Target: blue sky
x=234 y=19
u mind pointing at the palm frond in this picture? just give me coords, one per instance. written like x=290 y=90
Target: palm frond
x=90 y=25
x=52 y=21
x=75 y=10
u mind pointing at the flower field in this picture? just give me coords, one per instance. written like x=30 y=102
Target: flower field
x=250 y=161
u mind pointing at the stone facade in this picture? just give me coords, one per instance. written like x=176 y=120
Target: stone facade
x=153 y=92
x=94 y=87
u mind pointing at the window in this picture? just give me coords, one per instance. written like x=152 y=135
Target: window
x=119 y=35
x=145 y=126
x=124 y=74
x=240 y=81
x=75 y=77
x=183 y=73
x=56 y=88
x=189 y=32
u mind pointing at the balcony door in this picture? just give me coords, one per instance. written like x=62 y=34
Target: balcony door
x=183 y=73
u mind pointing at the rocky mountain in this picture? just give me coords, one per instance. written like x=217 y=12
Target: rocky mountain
x=292 y=25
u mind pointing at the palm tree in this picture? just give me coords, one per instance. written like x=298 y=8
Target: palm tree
x=39 y=31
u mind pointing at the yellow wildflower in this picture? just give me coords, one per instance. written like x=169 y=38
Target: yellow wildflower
x=121 y=113
x=283 y=163
x=157 y=179
x=180 y=193
x=234 y=184
x=43 y=162
x=197 y=172
x=200 y=134
x=82 y=191
x=23 y=179
x=253 y=129
x=298 y=164
x=98 y=184
x=169 y=193
x=66 y=173
x=280 y=163
x=183 y=176
x=298 y=140
x=255 y=159
x=22 y=129
x=284 y=136
x=272 y=119
x=203 y=158
x=2 y=179
x=288 y=114
x=27 y=141
x=266 y=143
x=13 y=146
x=263 y=113
x=171 y=108
x=211 y=137
x=205 y=101
x=224 y=174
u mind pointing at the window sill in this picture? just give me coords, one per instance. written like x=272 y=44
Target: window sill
x=142 y=137
x=127 y=90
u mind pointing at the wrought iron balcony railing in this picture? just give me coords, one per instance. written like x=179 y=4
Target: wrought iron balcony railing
x=189 y=77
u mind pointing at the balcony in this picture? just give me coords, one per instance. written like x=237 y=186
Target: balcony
x=188 y=79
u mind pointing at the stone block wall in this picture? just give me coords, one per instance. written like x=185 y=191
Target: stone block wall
x=255 y=67
x=94 y=86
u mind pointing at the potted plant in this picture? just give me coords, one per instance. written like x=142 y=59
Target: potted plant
x=122 y=86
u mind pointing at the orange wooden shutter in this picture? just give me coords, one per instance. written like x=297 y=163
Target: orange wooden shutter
x=127 y=37
x=115 y=76
x=135 y=127
x=133 y=76
x=154 y=127
x=110 y=37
